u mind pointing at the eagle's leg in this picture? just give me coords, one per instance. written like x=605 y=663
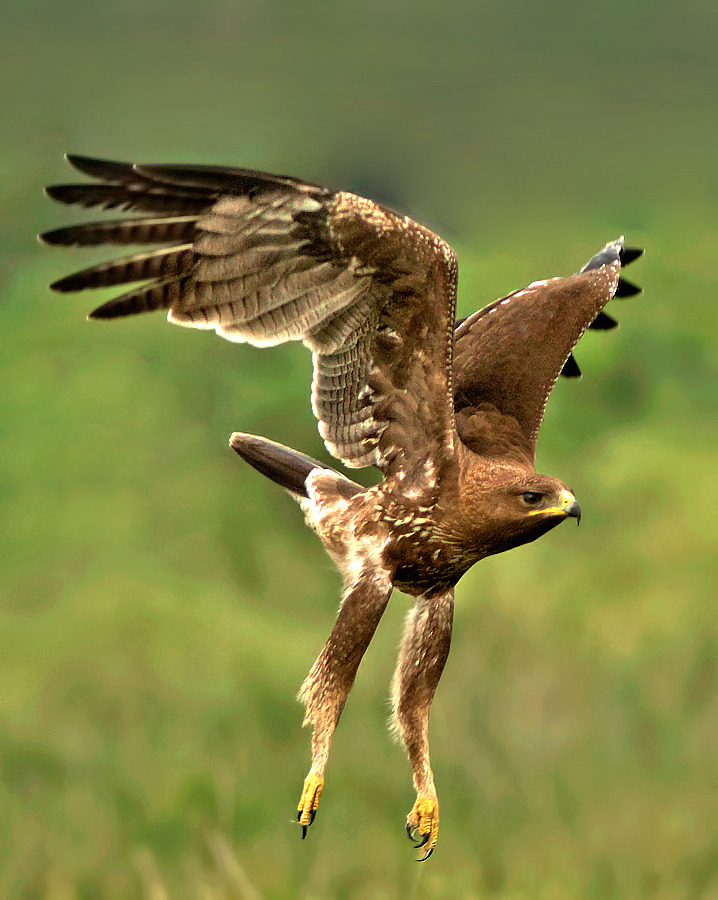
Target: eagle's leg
x=423 y=654
x=327 y=686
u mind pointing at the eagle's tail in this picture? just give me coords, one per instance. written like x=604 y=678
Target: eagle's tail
x=288 y=468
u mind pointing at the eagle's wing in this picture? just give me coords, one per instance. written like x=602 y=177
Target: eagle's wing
x=509 y=354
x=268 y=259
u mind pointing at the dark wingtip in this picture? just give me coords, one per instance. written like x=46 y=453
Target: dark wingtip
x=627 y=288
x=603 y=322
x=66 y=285
x=77 y=160
x=56 y=192
x=612 y=251
x=570 y=368
x=113 y=309
x=625 y=256
x=61 y=237
x=608 y=254
x=101 y=169
x=85 y=164
x=99 y=313
x=629 y=254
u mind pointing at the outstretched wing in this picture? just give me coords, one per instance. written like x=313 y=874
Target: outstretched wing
x=267 y=259
x=509 y=354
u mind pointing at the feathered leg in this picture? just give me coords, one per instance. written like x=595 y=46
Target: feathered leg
x=327 y=686
x=423 y=654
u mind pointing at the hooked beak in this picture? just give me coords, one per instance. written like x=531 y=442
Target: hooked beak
x=569 y=506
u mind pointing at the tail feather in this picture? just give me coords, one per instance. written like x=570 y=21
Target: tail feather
x=288 y=468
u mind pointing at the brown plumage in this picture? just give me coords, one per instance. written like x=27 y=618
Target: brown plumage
x=450 y=415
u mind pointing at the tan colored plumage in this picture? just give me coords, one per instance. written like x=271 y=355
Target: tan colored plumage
x=450 y=416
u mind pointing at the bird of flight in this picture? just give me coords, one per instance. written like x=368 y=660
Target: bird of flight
x=449 y=412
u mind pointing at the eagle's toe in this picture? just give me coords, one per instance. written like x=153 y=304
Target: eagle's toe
x=309 y=801
x=422 y=824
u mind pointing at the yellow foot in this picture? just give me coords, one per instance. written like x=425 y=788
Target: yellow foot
x=309 y=801
x=422 y=824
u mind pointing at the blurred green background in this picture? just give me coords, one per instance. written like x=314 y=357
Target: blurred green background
x=161 y=603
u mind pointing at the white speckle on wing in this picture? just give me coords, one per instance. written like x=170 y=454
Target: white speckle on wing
x=308 y=205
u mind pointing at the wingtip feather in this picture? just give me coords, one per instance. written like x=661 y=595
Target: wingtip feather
x=75 y=160
x=630 y=254
x=65 y=285
x=101 y=169
x=571 y=368
x=626 y=288
x=603 y=322
x=56 y=192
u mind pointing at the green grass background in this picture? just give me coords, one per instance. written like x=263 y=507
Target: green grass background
x=161 y=603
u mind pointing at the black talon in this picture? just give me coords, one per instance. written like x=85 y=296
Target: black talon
x=409 y=830
x=423 y=841
x=428 y=854
x=312 y=816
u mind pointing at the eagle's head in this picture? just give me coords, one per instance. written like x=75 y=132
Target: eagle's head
x=513 y=506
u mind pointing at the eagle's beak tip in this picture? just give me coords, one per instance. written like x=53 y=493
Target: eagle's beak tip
x=574 y=510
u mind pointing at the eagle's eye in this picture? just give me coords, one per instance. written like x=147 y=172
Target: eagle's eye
x=532 y=497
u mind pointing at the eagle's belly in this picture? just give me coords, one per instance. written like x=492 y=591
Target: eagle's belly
x=427 y=567
x=411 y=540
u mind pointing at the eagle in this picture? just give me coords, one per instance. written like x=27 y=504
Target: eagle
x=448 y=411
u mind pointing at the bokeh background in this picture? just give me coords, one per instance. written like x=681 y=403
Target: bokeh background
x=161 y=603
